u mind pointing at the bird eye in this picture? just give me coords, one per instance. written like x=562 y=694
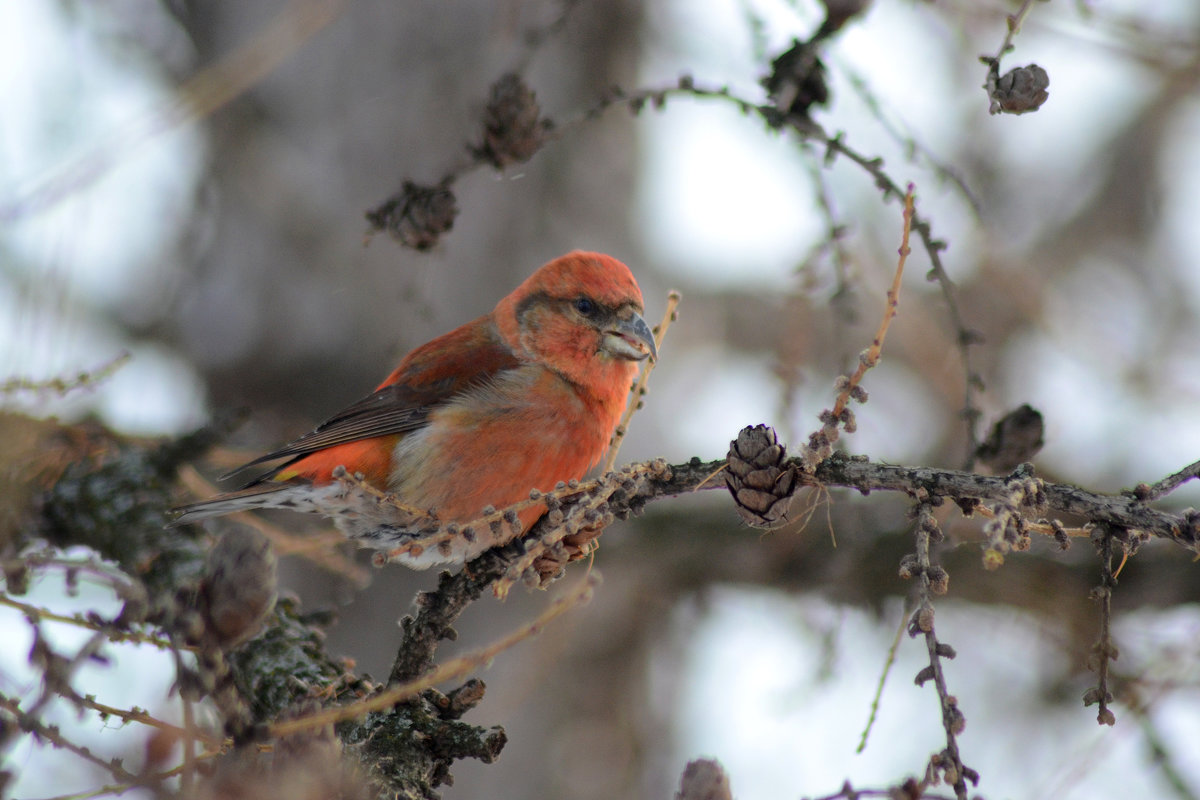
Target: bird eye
x=585 y=307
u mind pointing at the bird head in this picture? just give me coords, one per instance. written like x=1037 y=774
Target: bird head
x=581 y=315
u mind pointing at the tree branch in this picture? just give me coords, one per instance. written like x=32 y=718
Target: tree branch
x=965 y=488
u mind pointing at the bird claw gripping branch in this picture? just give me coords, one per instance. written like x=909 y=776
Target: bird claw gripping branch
x=759 y=478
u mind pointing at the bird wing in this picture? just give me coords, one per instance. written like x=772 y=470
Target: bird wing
x=427 y=378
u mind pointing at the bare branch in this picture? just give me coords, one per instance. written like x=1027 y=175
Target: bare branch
x=947 y=764
x=1167 y=484
x=820 y=444
x=1104 y=652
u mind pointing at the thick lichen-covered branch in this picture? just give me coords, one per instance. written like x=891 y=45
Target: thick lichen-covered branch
x=110 y=495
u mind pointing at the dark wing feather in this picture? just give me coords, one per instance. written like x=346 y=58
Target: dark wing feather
x=427 y=378
x=383 y=413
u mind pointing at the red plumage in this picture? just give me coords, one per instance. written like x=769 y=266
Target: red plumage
x=519 y=399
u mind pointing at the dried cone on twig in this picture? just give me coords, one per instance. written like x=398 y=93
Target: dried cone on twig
x=513 y=126
x=1016 y=438
x=1020 y=90
x=417 y=216
x=759 y=477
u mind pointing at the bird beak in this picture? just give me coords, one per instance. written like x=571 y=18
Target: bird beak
x=631 y=339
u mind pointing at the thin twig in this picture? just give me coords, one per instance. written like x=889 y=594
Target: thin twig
x=871 y=357
x=37 y=613
x=58 y=671
x=28 y=722
x=1167 y=484
x=1044 y=528
x=820 y=444
x=883 y=676
x=1104 y=652
x=140 y=781
x=62 y=386
x=909 y=143
x=108 y=574
x=948 y=762
x=639 y=388
x=965 y=338
x=143 y=717
x=1013 y=24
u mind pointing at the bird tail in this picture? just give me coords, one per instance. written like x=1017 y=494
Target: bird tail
x=361 y=516
x=290 y=496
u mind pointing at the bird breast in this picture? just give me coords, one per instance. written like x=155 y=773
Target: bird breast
x=527 y=428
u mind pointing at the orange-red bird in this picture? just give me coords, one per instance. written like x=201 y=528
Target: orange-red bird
x=518 y=399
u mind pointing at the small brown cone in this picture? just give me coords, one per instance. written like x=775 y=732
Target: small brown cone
x=239 y=587
x=513 y=126
x=417 y=216
x=1020 y=90
x=759 y=478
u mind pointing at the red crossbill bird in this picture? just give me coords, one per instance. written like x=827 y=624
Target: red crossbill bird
x=519 y=399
